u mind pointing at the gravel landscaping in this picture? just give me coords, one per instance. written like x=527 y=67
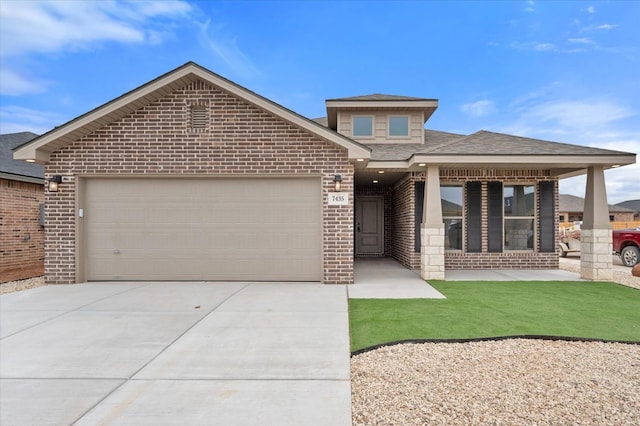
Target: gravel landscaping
x=507 y=382
x=11 y=286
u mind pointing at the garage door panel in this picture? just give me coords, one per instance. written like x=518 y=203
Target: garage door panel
x=203 y=229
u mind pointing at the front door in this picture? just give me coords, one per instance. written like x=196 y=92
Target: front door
x=369 y=225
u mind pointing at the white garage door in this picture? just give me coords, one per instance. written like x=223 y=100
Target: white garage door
x=203 y=229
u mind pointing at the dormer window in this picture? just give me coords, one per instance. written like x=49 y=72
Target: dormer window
x=363 y=126
x=399 y=126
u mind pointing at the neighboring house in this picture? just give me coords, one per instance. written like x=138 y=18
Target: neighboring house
x=634 y=205
x=21 y=194
x=193 y=177
x=571 y=209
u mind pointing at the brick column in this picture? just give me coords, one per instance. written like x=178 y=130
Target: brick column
x=595 y=240
x=432 y=229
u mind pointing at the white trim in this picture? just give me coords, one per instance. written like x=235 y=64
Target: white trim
x=39 y=151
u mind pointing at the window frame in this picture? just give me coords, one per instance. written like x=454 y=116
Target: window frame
x=353 y=126
x=461 y=217
x=533 y=218
x=408 y=135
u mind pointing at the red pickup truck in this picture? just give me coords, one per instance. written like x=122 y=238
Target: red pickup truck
x=626 y=244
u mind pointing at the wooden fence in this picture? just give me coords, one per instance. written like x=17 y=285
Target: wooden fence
x=615 y=225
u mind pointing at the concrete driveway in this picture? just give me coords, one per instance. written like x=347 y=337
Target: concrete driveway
x=175 y=353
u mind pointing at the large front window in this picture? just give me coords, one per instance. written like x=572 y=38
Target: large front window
x=451 y=200
x=519 y=217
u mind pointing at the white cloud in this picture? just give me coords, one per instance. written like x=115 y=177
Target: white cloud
x=13 y=84
x=607 y=26
x=225 y=46
x=590 y=10
x=581 y=40
x=530 y=6
x=19 y=119
x=38 y=27
x=480 y=108
x=51 y=26
x=583 y=114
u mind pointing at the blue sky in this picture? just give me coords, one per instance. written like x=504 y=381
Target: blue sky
x=561 y=71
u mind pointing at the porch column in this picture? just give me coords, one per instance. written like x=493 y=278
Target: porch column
x=432 y=229
x=595 y=240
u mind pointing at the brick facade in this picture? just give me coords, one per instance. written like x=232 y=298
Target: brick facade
x=238 y=139
x=21 y=236
x=505 y=260
x=402 y=222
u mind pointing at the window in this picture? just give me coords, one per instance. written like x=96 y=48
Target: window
x=363 y=126
x=561 y=218
x=399 y=126
x=611 y=218
x=519 y=217
x=451 y=201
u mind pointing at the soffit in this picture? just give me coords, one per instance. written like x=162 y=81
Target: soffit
x=378 y=102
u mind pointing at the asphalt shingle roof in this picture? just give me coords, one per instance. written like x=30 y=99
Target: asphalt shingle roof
x=17 y=167
x=480 y=143
x=381 y=97
x=630 y=204
x=572 y=203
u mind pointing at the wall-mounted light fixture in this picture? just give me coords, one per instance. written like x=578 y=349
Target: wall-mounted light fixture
x=337 y=183
x=54 y=181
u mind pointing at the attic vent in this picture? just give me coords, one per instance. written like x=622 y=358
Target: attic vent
x=198 y=116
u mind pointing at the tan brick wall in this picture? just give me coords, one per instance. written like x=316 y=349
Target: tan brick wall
x=239 y=139
x=21 y=236
x=403 y=223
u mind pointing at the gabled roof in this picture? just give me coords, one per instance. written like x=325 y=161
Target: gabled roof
x=571 y=203
x=16 y=169
x=630 y=204
x=378 y=101
x=40 y=148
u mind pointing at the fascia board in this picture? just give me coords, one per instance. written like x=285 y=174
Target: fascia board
x=549 y=161
x=20 y=178
x=382 y=104
x=523 y=160
x=37 y=150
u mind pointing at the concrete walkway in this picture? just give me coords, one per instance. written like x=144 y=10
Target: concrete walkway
x=175 y=353
x=386 y=278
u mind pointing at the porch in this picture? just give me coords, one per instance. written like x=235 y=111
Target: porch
x=386 y=278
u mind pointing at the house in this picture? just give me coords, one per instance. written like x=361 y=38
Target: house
x=571 y=210
x=21 y=195
x=193 y=177
x=633 y=205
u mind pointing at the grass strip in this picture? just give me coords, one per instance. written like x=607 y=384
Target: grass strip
x=478 y=309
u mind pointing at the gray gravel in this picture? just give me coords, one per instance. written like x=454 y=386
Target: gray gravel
x=11 y=286
x=508 y=382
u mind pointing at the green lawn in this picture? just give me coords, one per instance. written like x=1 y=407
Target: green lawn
x=489 y=309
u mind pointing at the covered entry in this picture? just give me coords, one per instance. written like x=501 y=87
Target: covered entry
x=214 y=229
